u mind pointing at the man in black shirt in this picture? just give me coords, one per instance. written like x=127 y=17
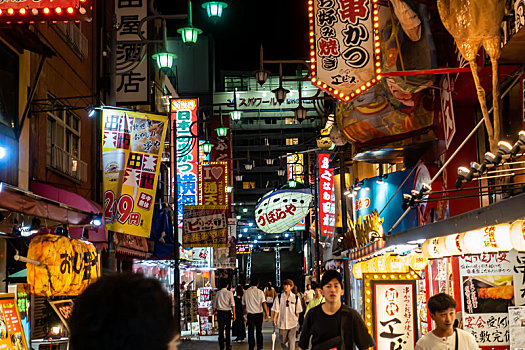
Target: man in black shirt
x=333 y=325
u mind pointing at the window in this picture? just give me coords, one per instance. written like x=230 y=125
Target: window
x=289 y=121
x=63 y=141
x=292 y=142
x=248 y=185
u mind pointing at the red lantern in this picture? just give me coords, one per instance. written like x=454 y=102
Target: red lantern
x=163 y=273
x=155 y=270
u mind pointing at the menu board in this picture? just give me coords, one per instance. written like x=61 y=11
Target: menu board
x=11 y=331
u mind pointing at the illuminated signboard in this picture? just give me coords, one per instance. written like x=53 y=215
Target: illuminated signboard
x=213 y=179
x=44 y=10
x=344 y=46
x=243 y=249
x=184 y=121
x=280 y=210
x=326 y=197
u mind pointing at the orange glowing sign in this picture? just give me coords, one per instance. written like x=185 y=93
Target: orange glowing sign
x=18 y=11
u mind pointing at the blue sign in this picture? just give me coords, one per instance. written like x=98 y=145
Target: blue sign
x=375 y=194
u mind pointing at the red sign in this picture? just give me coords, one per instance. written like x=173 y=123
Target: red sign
x=326 y=197
x=447 y=109
x=205 y=226
x=213 y=179
x=43 y=10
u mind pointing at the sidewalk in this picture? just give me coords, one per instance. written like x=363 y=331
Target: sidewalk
x=212 y=342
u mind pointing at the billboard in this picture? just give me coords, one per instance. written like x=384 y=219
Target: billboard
x=184 y=152
x=326 y=198
x=205 y=226
x=344 y=46
x=213 y=179
x=131 y=155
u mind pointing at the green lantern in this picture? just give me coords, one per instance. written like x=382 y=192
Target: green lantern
x=214 y=8
x=164 y=59
x=292 y=184
x=206 y=147
x=189 y=34
x=236 y=115
x=222 y=131
x=229 y=189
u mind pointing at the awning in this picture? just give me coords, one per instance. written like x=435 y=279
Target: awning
x=22 y=38
x=18 y=200
x=128 y=245
x=507 y=210
x=362 y=252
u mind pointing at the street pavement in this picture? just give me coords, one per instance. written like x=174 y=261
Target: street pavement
x=212 y=342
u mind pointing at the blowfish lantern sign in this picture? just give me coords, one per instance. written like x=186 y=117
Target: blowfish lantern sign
x=282 y=209
x=344 y=46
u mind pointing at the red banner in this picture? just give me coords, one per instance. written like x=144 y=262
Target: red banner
x=213 y=179
x=326 y=197
x=205 y=226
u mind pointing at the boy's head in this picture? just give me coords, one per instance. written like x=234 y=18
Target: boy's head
x=318 y=291
x=287 y=285
x=442 y=309
x=308 y=286
x=332 y=286
x=223 y=283
x=254 y=282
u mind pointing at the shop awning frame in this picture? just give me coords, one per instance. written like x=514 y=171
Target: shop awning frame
x=505 y=211
x=18 y=200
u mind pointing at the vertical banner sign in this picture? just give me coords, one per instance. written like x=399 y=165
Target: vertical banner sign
x=395 y=314
x=326 y=197
x=222 y=147
x=213 y=179
x=186 y=154
x=131 y=152
x=205 y=226
x=447 y=109
x=11 y=331
x=132 y=59
x=487 y=285
x=344 y=40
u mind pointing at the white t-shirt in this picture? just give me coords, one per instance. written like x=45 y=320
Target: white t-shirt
x=309 y=295
x=432 y=342
x=224 y=300
x=253 y=299
x=287 y=318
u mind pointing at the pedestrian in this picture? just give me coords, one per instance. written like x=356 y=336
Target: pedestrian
x=308 y=294
x=442 y=310
x=287 y=307
x=224 y=306
x=255 y=308
x=332 y=324
x=303 y=306
x=317 y=300
x=239 y=329
x=269 y=294
x=121 y=312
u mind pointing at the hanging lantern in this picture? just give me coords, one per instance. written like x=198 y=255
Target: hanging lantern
x=381 y=263
x=155 y=270
x=189 y=35
x=222 y=131
x=416 y=261
x=163 y=273
x=206 y=147
x=517 y=235
x=488 y=239
x=395 y=264
x=164 y=59
x=430 y=249
x=214 y=8
x=454 y=244
x=236 y=115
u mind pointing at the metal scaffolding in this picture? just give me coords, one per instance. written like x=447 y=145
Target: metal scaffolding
x=249 y=266
x=278 y=267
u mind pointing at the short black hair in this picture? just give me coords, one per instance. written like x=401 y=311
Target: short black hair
x=223 y=283
x=330 y=275
x=120 y=312
x=254 y=281
x=315 y=286
x=440 y=302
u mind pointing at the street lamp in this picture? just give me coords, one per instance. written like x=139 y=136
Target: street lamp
x=206 y=147
x=292 y=184
x=281 y=172
x=238 y=178
x=280 y=93
x=229 y=189
x=269 y=161
x=222 y=131
x=300 y=112
x=236 y=115
x=261 y=75
x=248 y=166
x=214 y=8
x=190 y=33
x=164 y=59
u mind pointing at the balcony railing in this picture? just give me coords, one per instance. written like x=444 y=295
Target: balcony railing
x=66 y=163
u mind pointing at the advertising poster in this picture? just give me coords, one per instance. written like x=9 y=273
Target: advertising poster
x=205 y=226
x=131 y=155
x=213 y=179
x=243 y=249
x=326 y=198
x=517 y=327
x=11 y=330
x=487 y=284
x=222 y=260
x=395 y=314
x=184 y=152
x=344 y=45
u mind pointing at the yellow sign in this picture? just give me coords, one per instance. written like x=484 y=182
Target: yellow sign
x=67 y=266
x=131 y=154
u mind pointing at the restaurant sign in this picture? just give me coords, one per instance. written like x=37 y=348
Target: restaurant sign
x=205 y=226
x=344 y=46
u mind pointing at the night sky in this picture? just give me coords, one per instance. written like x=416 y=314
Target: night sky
x=280 y=25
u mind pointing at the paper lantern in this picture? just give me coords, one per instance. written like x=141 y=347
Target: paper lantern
x=488 y=239
x=356 y=270
x=155 y=270
x=517 y=235
x=416 y=261
x=163 y=273
x=381 y=263
x=395 y=264
x=454 y=244
x=430 y=248
x=67 y=266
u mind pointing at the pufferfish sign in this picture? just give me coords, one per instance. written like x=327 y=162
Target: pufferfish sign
x=281 y=209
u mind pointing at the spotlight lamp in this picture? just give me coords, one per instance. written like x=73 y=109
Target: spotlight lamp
x=96 y=220
x=464 y=175
x=491 y=159
x=504 y=148
x=90 y=110
x=519 y=145
x=478 y=168
x=357 y=186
